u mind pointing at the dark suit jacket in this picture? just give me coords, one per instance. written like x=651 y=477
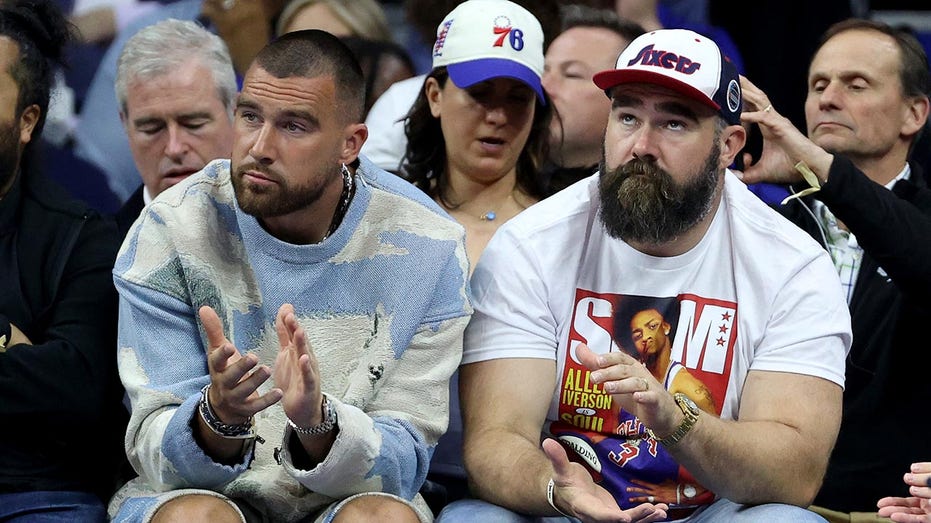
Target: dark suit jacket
x=129 y=212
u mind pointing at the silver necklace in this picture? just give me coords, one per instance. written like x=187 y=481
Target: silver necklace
x=344 y=199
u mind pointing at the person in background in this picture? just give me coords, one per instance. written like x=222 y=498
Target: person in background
x=387 y=117
x=62 y=411
x=870 y=208
x=312 y=308
x=176 y=88
x=363 y=26
x=100 y=137
x=383 y=64
x=361 y=18
x=477 y=133
x=664 y=221
x=476 y=137
x=589 y=42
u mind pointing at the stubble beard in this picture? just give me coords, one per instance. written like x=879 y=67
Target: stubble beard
x=283 y=198
x=642 y=203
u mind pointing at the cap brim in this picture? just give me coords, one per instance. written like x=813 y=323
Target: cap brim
x=614 y=77
x=465 y=74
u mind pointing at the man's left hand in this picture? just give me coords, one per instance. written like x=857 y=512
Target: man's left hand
x=296 y=372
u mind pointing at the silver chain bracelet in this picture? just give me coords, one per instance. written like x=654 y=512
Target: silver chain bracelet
x=244 y=430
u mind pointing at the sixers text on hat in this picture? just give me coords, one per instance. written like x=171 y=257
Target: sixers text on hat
x=665 y=59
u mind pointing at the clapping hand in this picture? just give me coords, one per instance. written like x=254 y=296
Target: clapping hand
x=296 y=371
x=234 y=378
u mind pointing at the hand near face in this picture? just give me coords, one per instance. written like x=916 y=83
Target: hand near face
x=783 y=144
x=634 y=388
x=296 y=371
x=913 y=509
x=575 y=493
x=234 y=378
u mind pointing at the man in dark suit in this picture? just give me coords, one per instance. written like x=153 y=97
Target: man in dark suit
x=175 y=85
x=867 y=202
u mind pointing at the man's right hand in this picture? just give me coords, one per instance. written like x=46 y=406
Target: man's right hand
x=234 y=384
x=576 y=494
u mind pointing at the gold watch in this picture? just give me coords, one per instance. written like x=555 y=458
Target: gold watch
x=691 y=410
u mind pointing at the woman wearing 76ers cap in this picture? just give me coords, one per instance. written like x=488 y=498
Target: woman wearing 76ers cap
x=477 y=131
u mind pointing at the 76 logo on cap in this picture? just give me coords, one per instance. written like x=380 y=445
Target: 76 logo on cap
x=503 y=28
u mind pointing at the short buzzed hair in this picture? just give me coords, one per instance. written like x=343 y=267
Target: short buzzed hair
x=311 y=54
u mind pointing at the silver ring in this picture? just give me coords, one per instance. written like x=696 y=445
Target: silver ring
x=766 y=110
x=650 y=499
x=227 y=4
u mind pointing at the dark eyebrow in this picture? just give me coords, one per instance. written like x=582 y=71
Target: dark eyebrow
x=302 y=115
x=624 y=100
x=678 y=109
x=246 y=104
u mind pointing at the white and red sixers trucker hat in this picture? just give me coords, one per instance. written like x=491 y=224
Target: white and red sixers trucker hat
x=683 y=61
x=484 y=39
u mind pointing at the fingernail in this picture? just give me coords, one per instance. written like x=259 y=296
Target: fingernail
x=602 y=360
x=596 y=377
x=610 y=386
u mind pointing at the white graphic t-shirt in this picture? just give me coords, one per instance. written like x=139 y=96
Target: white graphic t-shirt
x=756 y=293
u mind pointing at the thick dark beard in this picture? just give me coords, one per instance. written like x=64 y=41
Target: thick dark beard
x=642 y=203
x=283 y=199
x=9 y=154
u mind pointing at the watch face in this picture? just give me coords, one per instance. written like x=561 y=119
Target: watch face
x=689 y=491
x=688 y=403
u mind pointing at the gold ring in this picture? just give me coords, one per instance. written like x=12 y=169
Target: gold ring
x=768 y=107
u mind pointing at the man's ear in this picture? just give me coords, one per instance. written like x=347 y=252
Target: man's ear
x=733 y=139
x=354 y=136
x=916 y=115
x=27 y=123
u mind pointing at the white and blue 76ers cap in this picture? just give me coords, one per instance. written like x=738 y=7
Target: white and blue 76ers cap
x=683 y=61
x=484 y=39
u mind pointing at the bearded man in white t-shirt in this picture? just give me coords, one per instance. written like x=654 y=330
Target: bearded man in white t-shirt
x=664 y=225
